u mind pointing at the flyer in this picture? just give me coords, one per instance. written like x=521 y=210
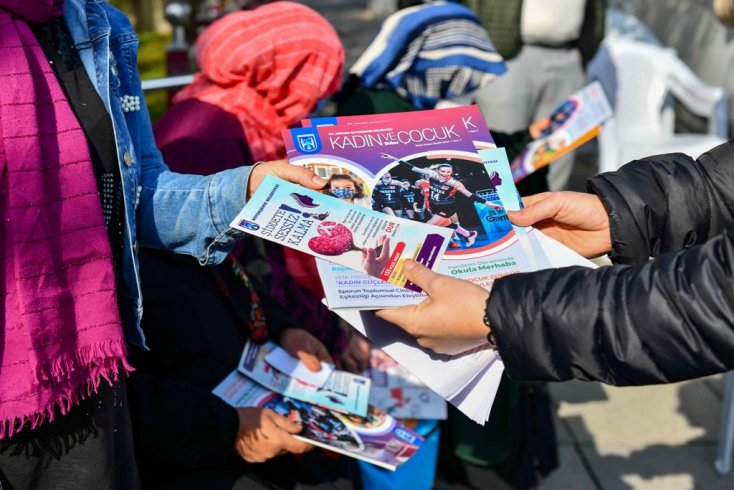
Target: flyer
x=342 y=391
x=324 y=226
x=577 y=120
x=377 y=438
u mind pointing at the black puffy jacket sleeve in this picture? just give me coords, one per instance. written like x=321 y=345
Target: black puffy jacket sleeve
x=654 y=322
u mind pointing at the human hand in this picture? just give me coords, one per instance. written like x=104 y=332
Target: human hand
x=373 y=263
x=285 y=171
x=450 y=320
x=263 y=434
x=537 y=128
x=576 y=219
x=304 y=346
x=356 y=355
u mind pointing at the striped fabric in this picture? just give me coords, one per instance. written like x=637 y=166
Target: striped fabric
x=269 y=67
x=430 y=52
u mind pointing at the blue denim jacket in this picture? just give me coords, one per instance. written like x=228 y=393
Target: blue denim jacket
x=188 y=214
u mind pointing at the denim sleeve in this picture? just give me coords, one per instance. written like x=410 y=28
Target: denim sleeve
x=187 y=214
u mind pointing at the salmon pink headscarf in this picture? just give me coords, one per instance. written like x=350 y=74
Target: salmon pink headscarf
x=269 y=67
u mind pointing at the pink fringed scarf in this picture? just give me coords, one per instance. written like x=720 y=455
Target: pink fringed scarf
x=61 y=333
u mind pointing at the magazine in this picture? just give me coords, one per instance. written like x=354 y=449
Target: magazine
x=342 y=391
x=349 y=235
x=423 y=167
x=577 y=120
x=376 y=438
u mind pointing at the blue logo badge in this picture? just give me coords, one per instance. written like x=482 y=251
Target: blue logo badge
x=249 y=225
x=306 y=140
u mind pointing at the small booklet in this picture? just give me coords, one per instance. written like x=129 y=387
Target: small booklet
x=344 y=233
x=577 y=120
x=399 y=393
x=376 y=438
x=342 y=391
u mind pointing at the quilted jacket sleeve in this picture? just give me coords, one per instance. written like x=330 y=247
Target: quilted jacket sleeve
x=655 y=322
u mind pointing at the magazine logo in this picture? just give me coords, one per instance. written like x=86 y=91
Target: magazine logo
x=249 y=225
x=306 y=140
x=403 y=434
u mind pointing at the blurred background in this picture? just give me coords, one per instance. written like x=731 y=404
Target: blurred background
x=661 y=437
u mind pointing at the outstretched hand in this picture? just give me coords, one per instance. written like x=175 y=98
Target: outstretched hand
x=450 y=320
x=304 y=346
x=576 y=219
x=284 y=170
x=374 y=260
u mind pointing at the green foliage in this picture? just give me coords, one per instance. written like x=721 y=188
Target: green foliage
x=152 y=64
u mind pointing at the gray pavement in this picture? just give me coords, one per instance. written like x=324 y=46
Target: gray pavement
x=641 y=438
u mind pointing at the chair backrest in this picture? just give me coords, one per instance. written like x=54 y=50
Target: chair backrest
x=636 y=77
x=621 y=25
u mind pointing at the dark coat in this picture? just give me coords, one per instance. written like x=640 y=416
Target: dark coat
x=641 y=322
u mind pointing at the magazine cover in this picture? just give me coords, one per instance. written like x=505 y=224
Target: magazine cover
x=324 y=226
x=376 y=438
x=422 y=167
x=343 y=391
x=577 y=120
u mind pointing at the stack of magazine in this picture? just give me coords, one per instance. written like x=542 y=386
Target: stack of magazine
x=430 y=186
x=331 y=405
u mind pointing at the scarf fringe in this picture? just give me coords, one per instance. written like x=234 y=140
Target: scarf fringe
x=105 y=361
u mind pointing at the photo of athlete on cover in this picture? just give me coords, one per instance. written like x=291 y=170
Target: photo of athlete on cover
x=319 y=424
x=443 y=198
x=387 y=196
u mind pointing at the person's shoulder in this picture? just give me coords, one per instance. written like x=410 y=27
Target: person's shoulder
x=119 y=21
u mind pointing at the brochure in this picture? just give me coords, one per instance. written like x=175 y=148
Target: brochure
x=577 y=120
x=349 y=235
x=295 y=368
x=377 y=438
x=343 y=391
x=422 y=166
x=399 y=393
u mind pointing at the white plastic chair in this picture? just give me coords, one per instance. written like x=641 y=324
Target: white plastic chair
x=640 y=80
x=619 y=25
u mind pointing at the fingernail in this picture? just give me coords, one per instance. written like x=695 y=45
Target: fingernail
x=409 y=264
x=318 y=180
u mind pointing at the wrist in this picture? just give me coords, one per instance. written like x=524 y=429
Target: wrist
x=490 y=333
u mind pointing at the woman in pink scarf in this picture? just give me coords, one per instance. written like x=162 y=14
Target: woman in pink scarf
x=262 y=71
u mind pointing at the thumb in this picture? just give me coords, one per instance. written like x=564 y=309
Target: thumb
x=537 y=210
x=297 y=175
x=310 y=360
x=421 y=276
x=283 y=423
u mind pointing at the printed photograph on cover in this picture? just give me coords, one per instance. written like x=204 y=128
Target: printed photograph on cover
x=343 y=183
x=452 y=192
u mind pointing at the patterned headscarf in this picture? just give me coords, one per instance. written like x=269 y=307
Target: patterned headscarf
x=430 y=52
x=269 y=67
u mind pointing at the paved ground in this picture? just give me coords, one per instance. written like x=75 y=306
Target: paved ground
x=651 y=438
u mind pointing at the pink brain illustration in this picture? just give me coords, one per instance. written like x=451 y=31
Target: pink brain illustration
x=333 y=239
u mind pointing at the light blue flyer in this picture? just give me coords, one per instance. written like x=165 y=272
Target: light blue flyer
x=362 y=239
